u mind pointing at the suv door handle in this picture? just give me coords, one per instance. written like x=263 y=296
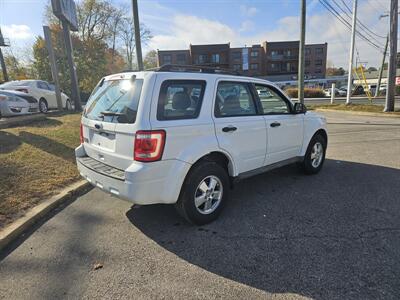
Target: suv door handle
x=229 y=128
x=275 y=124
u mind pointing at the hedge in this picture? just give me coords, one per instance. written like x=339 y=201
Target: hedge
x=308 y=93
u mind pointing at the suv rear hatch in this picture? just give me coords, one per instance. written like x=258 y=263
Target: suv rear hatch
x=109 y=120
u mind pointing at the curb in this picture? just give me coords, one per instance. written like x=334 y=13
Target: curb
x=360 y=113
x=15 y=229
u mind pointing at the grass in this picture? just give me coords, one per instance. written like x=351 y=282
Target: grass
x=36 y=161
x=352 y=107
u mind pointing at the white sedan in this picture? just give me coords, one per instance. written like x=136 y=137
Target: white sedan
x=13 y=103
x=41 y=90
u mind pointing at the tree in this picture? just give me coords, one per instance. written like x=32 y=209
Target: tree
x=332 y=71
x=15 y=70
x=127 y=32
x=150 y=60
x=102 y=29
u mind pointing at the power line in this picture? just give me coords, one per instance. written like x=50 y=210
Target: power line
x=338 y=16
x=358 y=20
x=368 y=39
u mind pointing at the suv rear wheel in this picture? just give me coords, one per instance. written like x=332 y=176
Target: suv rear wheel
x=203 y=193
x=315 y=155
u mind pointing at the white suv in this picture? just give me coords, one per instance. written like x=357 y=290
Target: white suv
x=184 y=136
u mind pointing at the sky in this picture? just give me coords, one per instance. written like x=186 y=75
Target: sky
x=175 y=24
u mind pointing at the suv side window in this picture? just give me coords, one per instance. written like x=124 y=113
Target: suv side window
x=180 y=99
x=271 y=101
x=234 y=99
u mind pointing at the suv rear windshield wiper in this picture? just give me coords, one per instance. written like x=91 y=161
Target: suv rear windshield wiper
x=111 y=113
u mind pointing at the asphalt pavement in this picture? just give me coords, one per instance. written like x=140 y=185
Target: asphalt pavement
x=284 y=235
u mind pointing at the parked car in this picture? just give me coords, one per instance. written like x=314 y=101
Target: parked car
x=41 y=90
x=145 y=140
x=338 y=92
x=13 y=103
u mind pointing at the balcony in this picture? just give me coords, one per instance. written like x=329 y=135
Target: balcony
x=283 y=57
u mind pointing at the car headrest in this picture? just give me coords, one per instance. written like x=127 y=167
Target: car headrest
x=231 y=101
x=181 y=100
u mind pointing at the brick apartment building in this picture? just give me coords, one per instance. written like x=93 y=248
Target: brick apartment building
x=272 y=60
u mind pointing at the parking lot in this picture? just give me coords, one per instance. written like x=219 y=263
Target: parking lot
x=283 y=235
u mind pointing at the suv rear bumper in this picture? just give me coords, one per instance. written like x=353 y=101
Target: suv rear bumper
x=142 y=183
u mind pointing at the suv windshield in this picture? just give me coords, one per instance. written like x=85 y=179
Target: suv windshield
x=115 y=101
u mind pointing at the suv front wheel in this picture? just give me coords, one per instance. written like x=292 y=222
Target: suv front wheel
x=203 y=193
x=315 y=155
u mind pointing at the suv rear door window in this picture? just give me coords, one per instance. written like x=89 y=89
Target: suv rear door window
x=234 y=99
x=115 y=101
x=180 y=99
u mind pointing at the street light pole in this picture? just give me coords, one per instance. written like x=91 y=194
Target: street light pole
x=137 y=35
x=391 y=77
x=301 y=51
x=351 y=58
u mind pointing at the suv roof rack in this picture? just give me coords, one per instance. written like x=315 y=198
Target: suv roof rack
x=194 y=69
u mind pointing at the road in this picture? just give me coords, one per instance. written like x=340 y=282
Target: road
x=284 y=235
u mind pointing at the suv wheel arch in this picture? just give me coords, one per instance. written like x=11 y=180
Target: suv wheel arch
x=221 y=158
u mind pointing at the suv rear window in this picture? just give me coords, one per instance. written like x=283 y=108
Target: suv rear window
x=180 y=99
x=115 y=101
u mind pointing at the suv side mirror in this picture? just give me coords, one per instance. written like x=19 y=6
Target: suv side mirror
x=300 y=108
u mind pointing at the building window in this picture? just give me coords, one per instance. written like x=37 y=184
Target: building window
x=307 y=63
x=288 y=53
x=274 y=66
x=236 y=55
x=254 y=53
x=167 y=59
x=253 y=66
x=215 y=58
x=288 y=67
x=319 y=71
x=181 y=58
x=202 y=58
x=236 y=67
x=318 y=62
x=274 y=53
x=319 y=51
x=308 y=51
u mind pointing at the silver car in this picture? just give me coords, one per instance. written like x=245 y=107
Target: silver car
x=14 y=103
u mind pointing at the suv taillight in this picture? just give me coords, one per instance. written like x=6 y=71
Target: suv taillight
x=81 y=134
x=149 y=145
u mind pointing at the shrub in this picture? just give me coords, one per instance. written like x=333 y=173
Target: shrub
x=308 y=93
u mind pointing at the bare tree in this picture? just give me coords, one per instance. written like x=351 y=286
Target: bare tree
x=127 y=35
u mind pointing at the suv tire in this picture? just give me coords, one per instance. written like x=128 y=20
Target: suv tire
x=204 y=193
x=315 y=155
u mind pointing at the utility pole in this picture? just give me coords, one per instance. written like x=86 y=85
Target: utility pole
x=3 y=67
x=351 y=58
x=53 y=65
x=137 y=35
x=301 y=51
x=378 y=86
x=3 y=43
x=391 y=77
x=72 y=70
